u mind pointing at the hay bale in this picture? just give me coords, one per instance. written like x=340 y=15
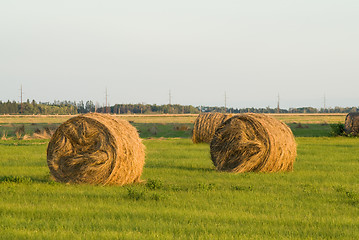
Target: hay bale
x=352 y=124
x=253 y=143
x=205 y=126
x=96 y=149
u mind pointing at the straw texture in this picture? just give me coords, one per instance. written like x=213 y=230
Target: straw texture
x=205 y=126
x=253 y=143
x=96 y=149
x=352 y=124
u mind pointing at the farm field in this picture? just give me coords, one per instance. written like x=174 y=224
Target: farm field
x=183 y=197
x=163 y=125
x=172 y=118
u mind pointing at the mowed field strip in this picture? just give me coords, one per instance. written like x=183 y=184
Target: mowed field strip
x=172 y=118
x=183 y=196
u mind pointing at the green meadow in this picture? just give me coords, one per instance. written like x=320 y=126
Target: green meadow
x=183 y=196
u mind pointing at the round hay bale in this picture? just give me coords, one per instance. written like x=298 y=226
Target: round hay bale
x=253 y=143
x=205 y=126
x=352 y=124
x=96 y=149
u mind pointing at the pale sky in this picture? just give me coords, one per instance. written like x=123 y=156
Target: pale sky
x=253 y=50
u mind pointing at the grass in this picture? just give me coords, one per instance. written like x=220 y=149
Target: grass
x=167 y=130
x=310 y=130
x=171 y=130
x=30 y=128
x=184 y=197
x=311 y=118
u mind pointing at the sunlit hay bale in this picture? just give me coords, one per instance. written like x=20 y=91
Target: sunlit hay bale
x=205 y=126
x=352 y=124
x=96 y=149
x=253 y=143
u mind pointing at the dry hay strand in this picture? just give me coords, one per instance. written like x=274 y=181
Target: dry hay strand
x=45 y=133
x=4 y=135
x=181 y=128
x=352 y=124
x=49 y=130
x=41 y=135
x=253 y=143
x=26 y=137
x=96 y=149
x=20 y=132
x=205 y=126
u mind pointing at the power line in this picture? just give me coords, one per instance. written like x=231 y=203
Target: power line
x=106 y=102
x=169 y=101
x=22 y=107
x=169 y=97
x=278 y=109
x=324 y=102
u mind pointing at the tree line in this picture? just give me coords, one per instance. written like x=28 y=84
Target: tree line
x=69 y=108
x=29 y=108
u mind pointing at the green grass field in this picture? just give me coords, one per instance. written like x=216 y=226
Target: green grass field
x=183 y=196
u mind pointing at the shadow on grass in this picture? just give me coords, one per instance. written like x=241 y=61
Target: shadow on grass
x=19 y=143
x=198 y=169
x=25 y=179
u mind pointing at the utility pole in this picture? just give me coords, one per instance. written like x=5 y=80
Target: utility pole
x=169 y=101
x=106 y=102
x=169 y=97
x=324 y=103
x=22 y=108
x=225 y=101
x=278 y=109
